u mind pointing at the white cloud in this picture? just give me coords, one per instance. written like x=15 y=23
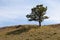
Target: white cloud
x=16 y=10
x=53 y=10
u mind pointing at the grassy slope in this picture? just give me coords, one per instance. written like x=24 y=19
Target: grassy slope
x=29 y=32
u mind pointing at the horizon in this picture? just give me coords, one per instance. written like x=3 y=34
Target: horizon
x=13 y=12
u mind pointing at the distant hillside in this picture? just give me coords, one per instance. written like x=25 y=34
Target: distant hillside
x=30 y=32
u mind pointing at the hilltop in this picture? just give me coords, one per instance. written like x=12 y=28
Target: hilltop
x=30 y=32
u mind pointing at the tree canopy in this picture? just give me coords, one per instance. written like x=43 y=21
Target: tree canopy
x=37 y=14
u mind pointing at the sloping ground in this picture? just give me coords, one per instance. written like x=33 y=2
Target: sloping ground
x=28 y=32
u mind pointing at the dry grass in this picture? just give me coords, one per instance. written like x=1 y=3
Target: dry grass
x=31 y=32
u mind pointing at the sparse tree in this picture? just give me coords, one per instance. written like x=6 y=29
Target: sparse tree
x=37 y=14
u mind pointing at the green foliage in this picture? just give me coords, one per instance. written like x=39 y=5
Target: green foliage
x=37 y=13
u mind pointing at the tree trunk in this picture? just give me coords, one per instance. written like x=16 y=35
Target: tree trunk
x=39 y=24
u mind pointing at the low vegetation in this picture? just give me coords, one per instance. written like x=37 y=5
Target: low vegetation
x=30 y=32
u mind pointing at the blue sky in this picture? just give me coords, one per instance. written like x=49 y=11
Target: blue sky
x=13 y=12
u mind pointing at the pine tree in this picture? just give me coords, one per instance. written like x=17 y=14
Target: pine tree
x=37 y=14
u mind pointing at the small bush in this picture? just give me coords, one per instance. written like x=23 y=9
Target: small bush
x=27 y=39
